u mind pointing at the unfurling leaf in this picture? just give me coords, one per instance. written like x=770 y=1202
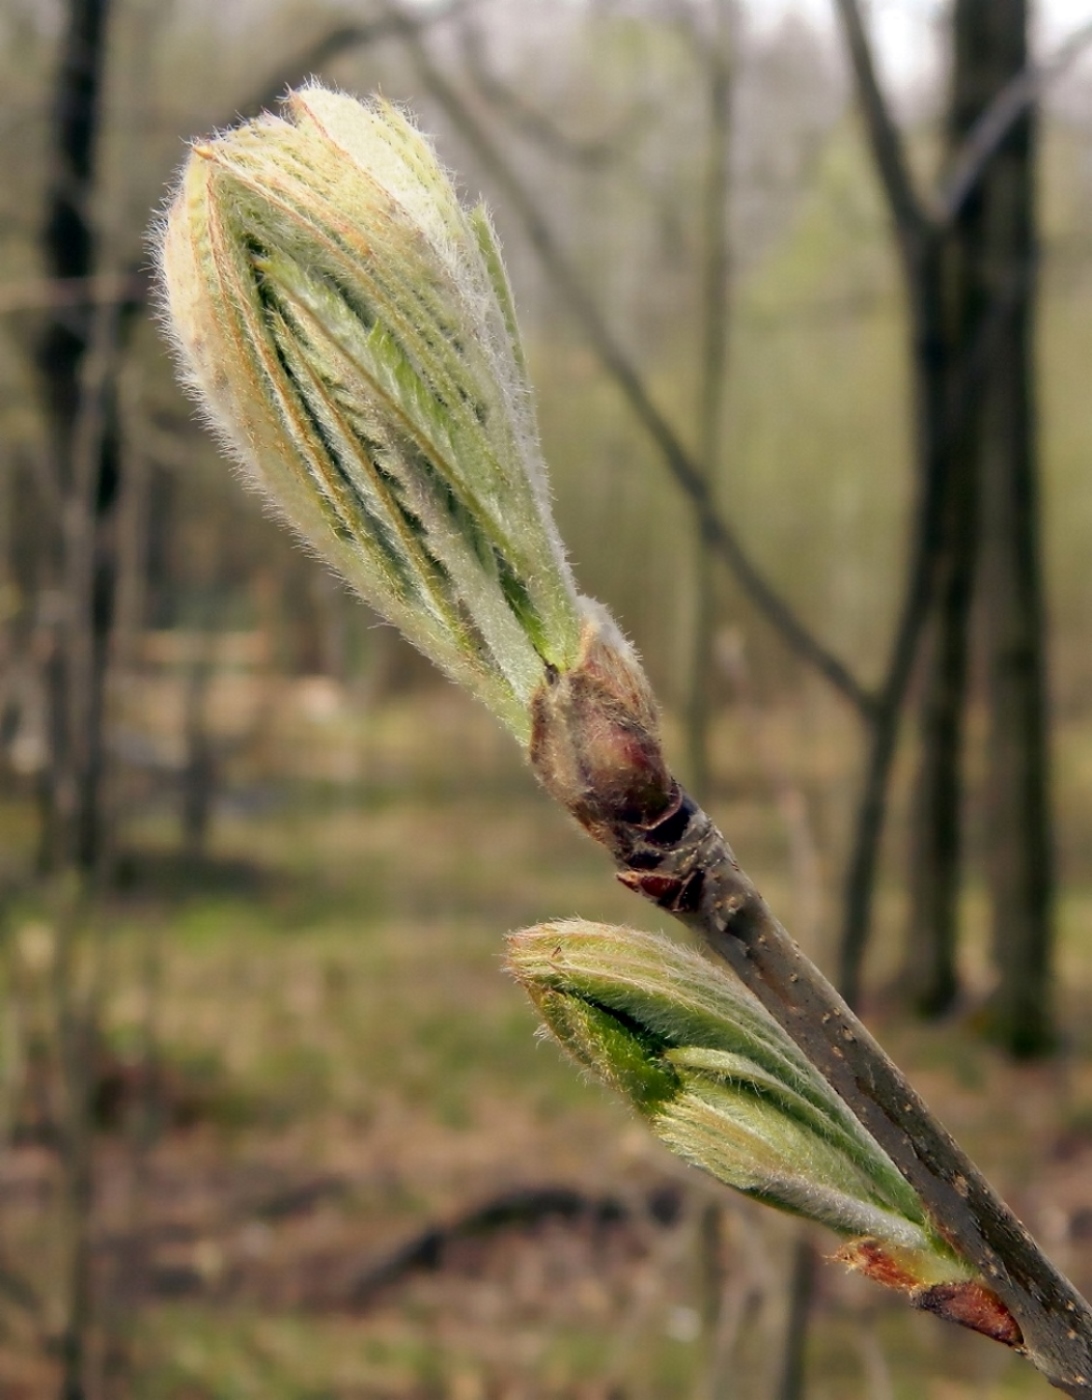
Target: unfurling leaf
x=720 y=1083
x=348 y=328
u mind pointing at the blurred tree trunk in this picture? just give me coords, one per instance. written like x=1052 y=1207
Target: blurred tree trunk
x=967 y=257
x=989 y=496
x=712 y=380
x=920 y=252
x=951 y=288
x=76 y=356
x=1020 y=857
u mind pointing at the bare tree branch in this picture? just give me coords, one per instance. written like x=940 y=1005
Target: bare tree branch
x=335 y=43
x=685 y=470
x=913 y=215
x=923 y=231
x=537 y=126
x=995 y=123
x=670 y=852
x=920 y=588
x=685 y=867
x=907 y=208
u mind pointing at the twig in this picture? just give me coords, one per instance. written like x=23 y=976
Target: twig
x=683 y=864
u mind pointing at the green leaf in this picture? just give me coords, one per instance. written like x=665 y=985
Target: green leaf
x=719 y=1081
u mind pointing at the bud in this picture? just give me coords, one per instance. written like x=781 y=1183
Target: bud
x=595 y=737
x=348 y=328
x=721 y=1084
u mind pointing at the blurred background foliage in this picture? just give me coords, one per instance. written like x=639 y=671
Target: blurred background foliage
x=272 y=1121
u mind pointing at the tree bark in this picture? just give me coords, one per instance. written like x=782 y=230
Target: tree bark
x=1019 y=859
x=76 y=355
x=967 y=254
x=931 y=978
x=990 y=494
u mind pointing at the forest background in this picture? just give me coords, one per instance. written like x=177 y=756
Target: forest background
x=273 y=1122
